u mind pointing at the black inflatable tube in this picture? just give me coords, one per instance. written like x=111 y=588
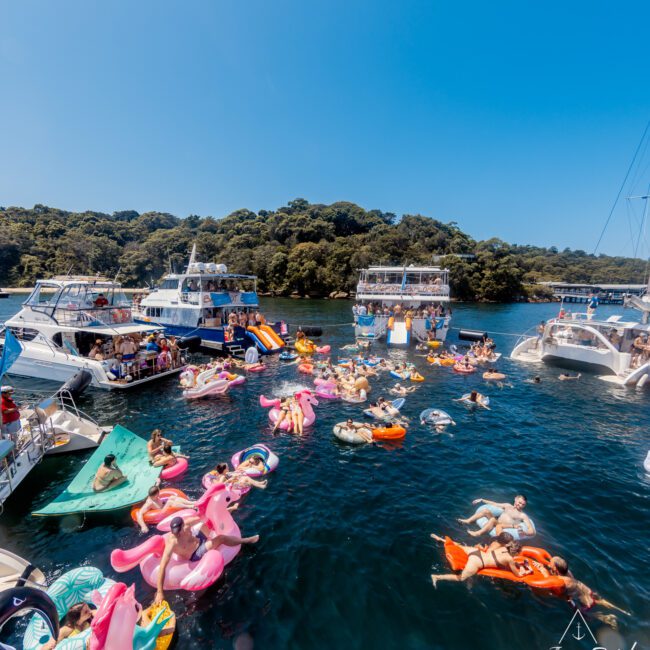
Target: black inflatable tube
x=21 y=600
x=472 y=335
x=311 y=330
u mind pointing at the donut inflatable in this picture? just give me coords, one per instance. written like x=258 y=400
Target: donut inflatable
x=155 y=515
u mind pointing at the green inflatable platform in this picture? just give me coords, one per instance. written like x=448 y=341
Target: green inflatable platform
x=131 y=457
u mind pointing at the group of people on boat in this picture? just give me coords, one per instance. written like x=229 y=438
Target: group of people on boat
x=400 y=310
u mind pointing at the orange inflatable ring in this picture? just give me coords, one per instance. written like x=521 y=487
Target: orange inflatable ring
x=539 y=561
x=447 y=362
x=464 y=370
x=389 y=433
x=307 y=368
x=416 y=377
x=155 y=516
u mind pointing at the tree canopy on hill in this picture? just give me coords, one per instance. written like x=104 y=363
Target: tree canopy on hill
x=301 y=247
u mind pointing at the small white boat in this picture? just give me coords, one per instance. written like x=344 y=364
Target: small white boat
x=17 y=572
x=53 y=426
x=70 y=429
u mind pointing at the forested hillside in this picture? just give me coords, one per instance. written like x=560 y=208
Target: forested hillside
x=301 y=247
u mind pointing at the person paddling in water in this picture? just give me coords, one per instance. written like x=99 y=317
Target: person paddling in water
x=582 y=596
x=566 y=377
x=189 y=540
x=498 y=555
x=511 y=517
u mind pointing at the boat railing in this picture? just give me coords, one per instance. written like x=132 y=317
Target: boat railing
x=407 y=289
x=602 y=342
x=530 y=333
x=72 y=316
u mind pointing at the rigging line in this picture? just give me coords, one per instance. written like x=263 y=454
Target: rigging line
x=620 y=191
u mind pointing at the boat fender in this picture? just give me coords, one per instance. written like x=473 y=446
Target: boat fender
x=472 y=335
x=190 y=343
x=77 y=384
x=311 y=330
x=642 y=382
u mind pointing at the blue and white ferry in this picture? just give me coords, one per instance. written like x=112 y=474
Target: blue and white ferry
x=206 y=301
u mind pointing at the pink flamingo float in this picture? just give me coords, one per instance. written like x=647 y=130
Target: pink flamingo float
x=306 y=401
x=184 y=574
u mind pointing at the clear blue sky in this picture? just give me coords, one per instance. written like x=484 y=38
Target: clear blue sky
x=515 y=119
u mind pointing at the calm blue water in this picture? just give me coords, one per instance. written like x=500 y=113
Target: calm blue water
x=345 y=556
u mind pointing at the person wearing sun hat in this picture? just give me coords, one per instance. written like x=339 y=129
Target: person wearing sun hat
x=10 y=415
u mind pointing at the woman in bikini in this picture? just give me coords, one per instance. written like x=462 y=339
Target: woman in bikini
x=498 y=555
x=285 y=414
x=156 y=443
x=167 y=458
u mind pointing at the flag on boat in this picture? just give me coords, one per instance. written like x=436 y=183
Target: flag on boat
x=10 y=352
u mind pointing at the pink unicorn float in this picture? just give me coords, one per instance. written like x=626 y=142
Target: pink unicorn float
x=306 y=401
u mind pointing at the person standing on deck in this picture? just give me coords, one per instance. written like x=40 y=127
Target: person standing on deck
x=592 y=305
x=10 y=415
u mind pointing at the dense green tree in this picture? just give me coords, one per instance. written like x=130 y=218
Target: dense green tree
x=309 y=248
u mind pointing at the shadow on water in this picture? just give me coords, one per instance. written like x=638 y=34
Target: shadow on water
x=345 y=555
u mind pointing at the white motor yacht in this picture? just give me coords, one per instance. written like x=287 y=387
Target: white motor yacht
x=202 y=302
x=65 y=317
x=392 y=301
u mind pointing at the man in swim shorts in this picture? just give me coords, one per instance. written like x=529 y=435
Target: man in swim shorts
x=190 y=539
x=511 y=517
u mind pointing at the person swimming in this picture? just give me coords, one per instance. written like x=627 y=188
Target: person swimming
x=580 y=595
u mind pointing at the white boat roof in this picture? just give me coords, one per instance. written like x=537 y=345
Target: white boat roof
x=116 y=330
x=401 y=269
x=66 y=280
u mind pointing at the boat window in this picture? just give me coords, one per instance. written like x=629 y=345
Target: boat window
x=43 y=296
x=154 y=312
x=24 y=333
x=169 y=284
x=58 y=339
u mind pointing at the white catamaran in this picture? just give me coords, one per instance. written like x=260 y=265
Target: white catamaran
x=402 y=302
x=613 y=346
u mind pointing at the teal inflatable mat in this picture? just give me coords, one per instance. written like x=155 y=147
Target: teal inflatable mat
x=131 y=457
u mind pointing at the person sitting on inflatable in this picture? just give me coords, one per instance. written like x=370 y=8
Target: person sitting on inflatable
x=154 y=502
x=236 y=478
x=498 y=555
x=285 y=414
x=361 y=430
x=189 y=540
x=511 y=517
x=156 y=443
x=398 y=389
x=297 y=416
x=167 y=458
x=79 y=619
x=108 y=476
x=474 y=399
